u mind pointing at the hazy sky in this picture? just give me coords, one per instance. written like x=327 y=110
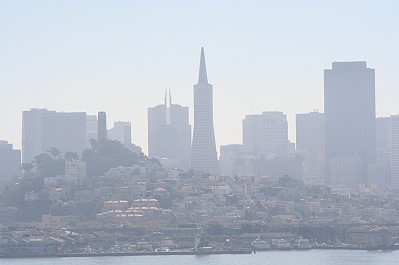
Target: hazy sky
x=118 y=56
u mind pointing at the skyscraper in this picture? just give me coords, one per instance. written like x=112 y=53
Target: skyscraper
x=169 y=133
x=122 y=132
x=349 y=104
x=395 y=152
x=91 y=129
x=203 y=152
x=43 y=129
x=266 y=135
x=310 y=142
x=10 y=160
x=382 y=176
x=102 y=126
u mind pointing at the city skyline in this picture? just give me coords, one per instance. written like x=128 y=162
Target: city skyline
x=271 y=65
x=284 y=136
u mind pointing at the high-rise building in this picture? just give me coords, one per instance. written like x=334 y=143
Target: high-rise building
x=383 y=132
x=310 y=144
x=102 y=126
x=203 y=152
x=280 y=166
x=169 y=133
x=43 y=129
x=91 y=129
x=266 y=135
x=395 y=152
x=10 y=160
x=122 y=132
x=349 y=106
x=380 y=174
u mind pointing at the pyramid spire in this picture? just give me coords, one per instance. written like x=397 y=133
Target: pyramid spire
x=170 y=97
x=202 y=77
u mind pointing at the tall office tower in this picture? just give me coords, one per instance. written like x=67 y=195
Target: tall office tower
x=266 y=135
x=395 y=152
x=10 y=160
x=382 y=171
x=122 y=132
x=43 y=129
x=310 y=144
x=383 y=133
x=349 y=107
x=169 y=133
x=91 y=129
x=102 y=126
x=203 y=152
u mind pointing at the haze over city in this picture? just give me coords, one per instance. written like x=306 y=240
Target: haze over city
x=118 y=57
x=229 y=130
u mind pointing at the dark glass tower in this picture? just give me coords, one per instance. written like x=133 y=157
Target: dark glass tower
x=349 y=104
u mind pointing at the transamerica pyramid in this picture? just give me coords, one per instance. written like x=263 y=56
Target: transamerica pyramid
x=203 y=151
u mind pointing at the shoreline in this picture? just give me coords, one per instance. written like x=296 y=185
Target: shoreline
x=180 y=253
x=121 y=254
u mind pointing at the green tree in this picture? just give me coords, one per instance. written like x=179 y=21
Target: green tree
x=27 y=168
x=105 y=155
x=48 y=166
x=55 y=153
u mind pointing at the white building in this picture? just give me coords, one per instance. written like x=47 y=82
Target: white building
x=310 y=142
x=75 y=169
x=43 y=129
x=266 y=135
x=122 y=132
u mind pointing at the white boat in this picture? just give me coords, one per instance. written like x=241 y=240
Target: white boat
x=281 y=244
x=303 y=243
x=260 y=244
x=162 y=249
